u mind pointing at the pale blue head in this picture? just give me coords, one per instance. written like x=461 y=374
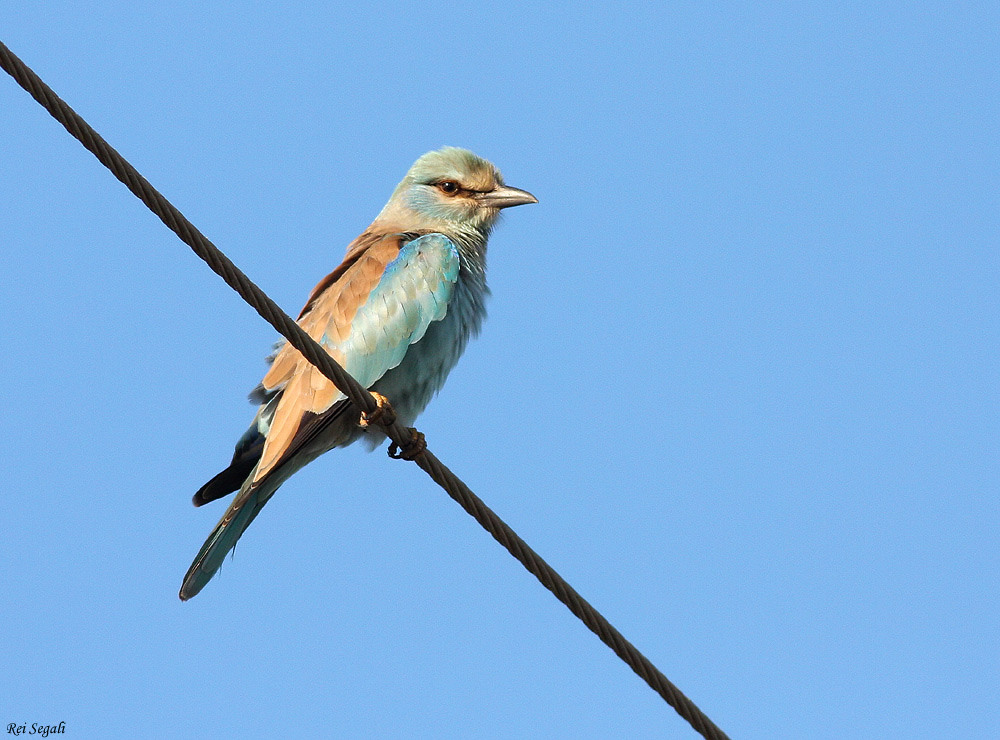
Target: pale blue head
x=452 y=189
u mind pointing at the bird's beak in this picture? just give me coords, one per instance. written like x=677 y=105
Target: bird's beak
x=505 y=197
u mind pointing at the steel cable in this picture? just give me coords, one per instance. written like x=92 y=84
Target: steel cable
x=358 y=395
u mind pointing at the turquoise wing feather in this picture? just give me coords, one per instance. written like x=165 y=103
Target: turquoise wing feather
x=412 y=293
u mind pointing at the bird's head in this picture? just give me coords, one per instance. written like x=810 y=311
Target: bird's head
x=450 y=190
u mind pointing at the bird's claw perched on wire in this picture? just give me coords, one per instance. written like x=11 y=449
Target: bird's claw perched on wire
x=412 y=449
x=383 y=415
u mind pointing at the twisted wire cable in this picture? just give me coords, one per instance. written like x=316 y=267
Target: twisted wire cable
x=359 y=396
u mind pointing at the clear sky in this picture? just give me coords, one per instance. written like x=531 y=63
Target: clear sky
x=738 y=383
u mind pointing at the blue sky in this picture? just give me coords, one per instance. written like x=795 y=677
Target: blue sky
x=738 y=383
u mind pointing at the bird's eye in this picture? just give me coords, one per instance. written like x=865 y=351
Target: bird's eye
x=448 y=186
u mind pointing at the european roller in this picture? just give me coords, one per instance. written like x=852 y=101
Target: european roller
x=396 y=314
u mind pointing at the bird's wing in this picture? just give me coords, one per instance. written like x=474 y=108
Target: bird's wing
x=365 y=315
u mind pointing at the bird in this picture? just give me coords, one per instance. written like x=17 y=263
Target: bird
x=396 y=314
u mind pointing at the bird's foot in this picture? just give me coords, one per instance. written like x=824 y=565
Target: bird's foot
x=383 y=415
x=412 y=449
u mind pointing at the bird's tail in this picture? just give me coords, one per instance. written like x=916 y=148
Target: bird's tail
x=241 y=512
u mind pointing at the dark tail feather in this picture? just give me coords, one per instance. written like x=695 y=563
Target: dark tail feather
x=245 y=458
x=241 y=512
x=226 y=482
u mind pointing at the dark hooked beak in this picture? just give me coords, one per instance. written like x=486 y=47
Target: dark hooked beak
x=505 y=197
